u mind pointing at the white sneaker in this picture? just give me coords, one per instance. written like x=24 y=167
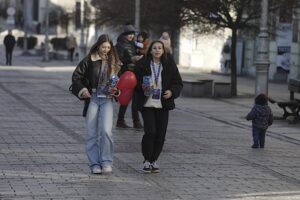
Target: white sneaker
x=107 y=169
x=96 y=170
x=146 y=167
x=155 y=167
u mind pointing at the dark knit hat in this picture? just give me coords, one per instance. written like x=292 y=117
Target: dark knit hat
x=128 y=29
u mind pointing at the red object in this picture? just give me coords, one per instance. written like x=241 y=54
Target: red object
x=126 y=84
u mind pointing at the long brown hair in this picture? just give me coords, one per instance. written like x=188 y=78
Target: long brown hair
x=113 y=58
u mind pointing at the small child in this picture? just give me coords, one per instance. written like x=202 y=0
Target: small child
x=143 y=39
x=262 y=117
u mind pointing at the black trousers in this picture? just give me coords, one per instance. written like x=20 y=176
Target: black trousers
x=155 y=128
x=8 y=56
x=71 y=53
x=134 y=110
x=227 y=64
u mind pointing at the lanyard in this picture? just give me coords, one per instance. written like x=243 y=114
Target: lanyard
x=156 y=75
x=103 y=73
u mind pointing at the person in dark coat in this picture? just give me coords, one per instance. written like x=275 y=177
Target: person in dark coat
x=9 y=43
x=71 y=46
x=159 y=84
x=262 y=117
x=127 y=53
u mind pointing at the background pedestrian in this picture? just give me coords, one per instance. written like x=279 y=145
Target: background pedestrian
x=71 y=46
x=165 y=38
x=226 y=56
x=127 y=52
x=9 y=43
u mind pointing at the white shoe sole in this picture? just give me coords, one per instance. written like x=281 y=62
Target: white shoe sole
x=96 y=172
x=146 y=171
x=155 y=171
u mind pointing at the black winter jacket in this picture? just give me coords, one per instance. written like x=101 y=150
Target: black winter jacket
x=86 y=75
x=171 y=80
x=261 y=116
x=126 y=50
x=9 y=41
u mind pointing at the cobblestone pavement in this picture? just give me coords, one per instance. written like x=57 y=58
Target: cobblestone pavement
x=207 y=154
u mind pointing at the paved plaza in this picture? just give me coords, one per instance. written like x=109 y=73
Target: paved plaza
x=207 y=154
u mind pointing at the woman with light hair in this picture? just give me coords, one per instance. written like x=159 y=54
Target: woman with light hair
x=165 y=38
x=89 y=81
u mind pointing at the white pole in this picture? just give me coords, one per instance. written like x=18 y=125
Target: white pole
x=96 y=26
x=82 y=48
x=25 y=27
x=262 y=62
x=137 y=15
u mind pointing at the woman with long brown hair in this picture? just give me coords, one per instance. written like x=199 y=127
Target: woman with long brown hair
x=89 y=82
x=159 y=84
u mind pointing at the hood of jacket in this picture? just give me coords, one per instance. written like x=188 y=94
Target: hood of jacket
x=122 y=39
x=261 y=109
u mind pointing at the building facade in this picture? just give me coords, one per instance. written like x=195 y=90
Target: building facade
x=284 y=48
x=204 y=52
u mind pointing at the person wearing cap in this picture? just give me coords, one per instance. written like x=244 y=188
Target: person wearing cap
x=127 y=53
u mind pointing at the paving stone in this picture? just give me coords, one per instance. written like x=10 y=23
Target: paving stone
x=207 y=152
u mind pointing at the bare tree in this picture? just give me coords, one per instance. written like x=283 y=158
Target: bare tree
x=205 y=16
x=113 y=12
x=156 y=16
x=211 y=15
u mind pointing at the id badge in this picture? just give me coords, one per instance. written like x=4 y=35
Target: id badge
x=156 y=94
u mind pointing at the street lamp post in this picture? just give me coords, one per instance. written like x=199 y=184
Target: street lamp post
x=25 y=26
x=262 y=62
x=82 y=46
x=47 y=32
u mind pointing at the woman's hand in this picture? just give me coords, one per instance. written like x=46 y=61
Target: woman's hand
x=114 y=91
x=167 y=94
x=86 y=94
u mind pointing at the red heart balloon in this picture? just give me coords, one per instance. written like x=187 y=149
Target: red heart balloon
x=126 y=84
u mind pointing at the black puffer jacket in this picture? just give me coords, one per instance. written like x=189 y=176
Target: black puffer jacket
x=126 y=50
x=171 y=80
x=261 y=116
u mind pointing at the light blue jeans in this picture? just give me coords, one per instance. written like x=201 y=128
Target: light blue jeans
x=99 y=122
